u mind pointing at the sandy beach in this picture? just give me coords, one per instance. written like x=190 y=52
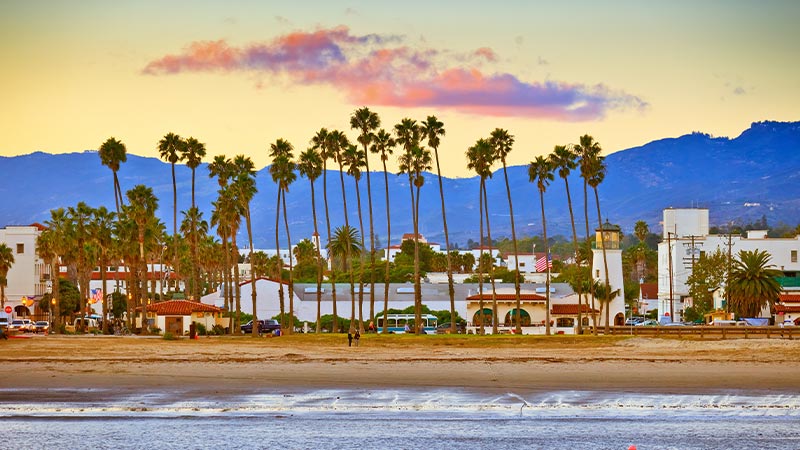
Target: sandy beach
x=242 y=365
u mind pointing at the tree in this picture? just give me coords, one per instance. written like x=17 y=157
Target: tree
x=142 y=208
x=112 y=155
x=563 y=159
x=244 y=189
x=282 y=171
x=344 y=244
x=367 y=122
x=413 y=162
x=502 y=142
x=596 y=173
x=103 y=238
x=322 y=143
x=355 y=160
x=641 y=230
x=540 y=171
x=606 y=296
x=587 y=150
x=708 y=275
x=193 y=152
x=6 y=261
x=310 y=166
x=337 y=143
x=170 y=147
x=480 y=159
x=433 y=129
x=753 y=283
x=383 y=144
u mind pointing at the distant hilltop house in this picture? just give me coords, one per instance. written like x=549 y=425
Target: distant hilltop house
x=686 y=238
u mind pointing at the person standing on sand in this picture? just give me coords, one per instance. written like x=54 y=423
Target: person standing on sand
x=349 y=339
x=358 y=336
x=371 y=327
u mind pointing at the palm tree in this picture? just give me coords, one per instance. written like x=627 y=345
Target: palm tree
x=540 y=172
x=46 y=249
x=336 y=144
x=226 y=216
x=414 y=161
x=596 y=172
x=563 y=159
x=641 y=230
x=383 y=144
x=142 y=208
x=479 y=159
x=282 y=171
x=753 y=284
x=433 y=129
x=112 y=155
x=605 y=295
x=345 y=243
x=310 y=166
x=321 y=143
x=367 y=122
x=53 y=245
x=244 y=189
x=79 y=219
x=355 y=161
x=101 y=232
x=6 y=261
x=170 y=147
x=502 y=142
x=587 y=150
x=193 y=152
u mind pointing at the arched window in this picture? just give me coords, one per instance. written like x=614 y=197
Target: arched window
x=524 y=318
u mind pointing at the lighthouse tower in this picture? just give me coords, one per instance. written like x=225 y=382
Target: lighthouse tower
x=609 y=235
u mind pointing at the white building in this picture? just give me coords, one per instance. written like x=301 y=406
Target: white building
x=686 y=238
x=392 y=251
x=611 y=237
x=285 y=253
x=29 y=277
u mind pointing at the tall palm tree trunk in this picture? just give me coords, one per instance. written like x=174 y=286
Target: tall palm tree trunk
x=481 y=314
x=388 y=247
x=371 y=240
x=347 y=252
x=495 y=319
x=547 y=260
x=588 y=241
x=361 y=274
x=335 y=322
x=319 y=257
x=607 y=290
x=575 y=245
x=236 y=290
x=291 y=266
x=417 y=316
x=174 y=219
x=450 y=288
x=254 y=295
x=417 y=286
x=105 y=293
x=281 y=299
x=518 y=317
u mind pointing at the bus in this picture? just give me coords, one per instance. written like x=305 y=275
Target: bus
x=396 y=323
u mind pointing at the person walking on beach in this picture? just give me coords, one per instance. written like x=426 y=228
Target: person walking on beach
x=349 y=339
x=358 y=336
x=371 y=327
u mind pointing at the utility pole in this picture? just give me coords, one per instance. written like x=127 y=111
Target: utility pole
x=728 y=275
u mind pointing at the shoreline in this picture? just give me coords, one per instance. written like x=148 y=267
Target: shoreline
x=62 y=366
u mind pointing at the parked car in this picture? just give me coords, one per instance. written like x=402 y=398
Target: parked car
x=264 y=326
x=3 y=322
x=41 y=326
x=18 y=325
x=634 y=321
x=29 y=325
x=674 y=324
x=648 y=323
x=444 y=328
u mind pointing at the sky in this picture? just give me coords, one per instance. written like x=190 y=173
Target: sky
x=238 y=75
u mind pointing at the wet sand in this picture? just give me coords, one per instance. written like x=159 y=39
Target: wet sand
x=56 y=366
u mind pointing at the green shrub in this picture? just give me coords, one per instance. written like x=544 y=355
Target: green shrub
x=168 y=336
x=218 y=330
x=201 y=329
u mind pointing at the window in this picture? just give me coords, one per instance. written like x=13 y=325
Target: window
x=522 y=264
x=20 y=248
x=597 y=273
x=794 y=256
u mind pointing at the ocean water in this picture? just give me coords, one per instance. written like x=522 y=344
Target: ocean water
x=405 y=419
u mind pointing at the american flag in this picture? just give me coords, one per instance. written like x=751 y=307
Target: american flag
x=97 y=295
x=544 y=263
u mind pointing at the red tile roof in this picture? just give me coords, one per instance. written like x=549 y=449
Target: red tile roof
x=791 y=298
x=787 y=309
x=180 y=308
x=570 y=309
x=507 y=297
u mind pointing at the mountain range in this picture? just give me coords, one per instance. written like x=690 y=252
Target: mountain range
x=739 y=179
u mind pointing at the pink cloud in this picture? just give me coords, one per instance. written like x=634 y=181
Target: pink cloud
x=374 y=69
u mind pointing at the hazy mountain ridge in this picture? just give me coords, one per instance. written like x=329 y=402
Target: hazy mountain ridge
x=759 y=167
